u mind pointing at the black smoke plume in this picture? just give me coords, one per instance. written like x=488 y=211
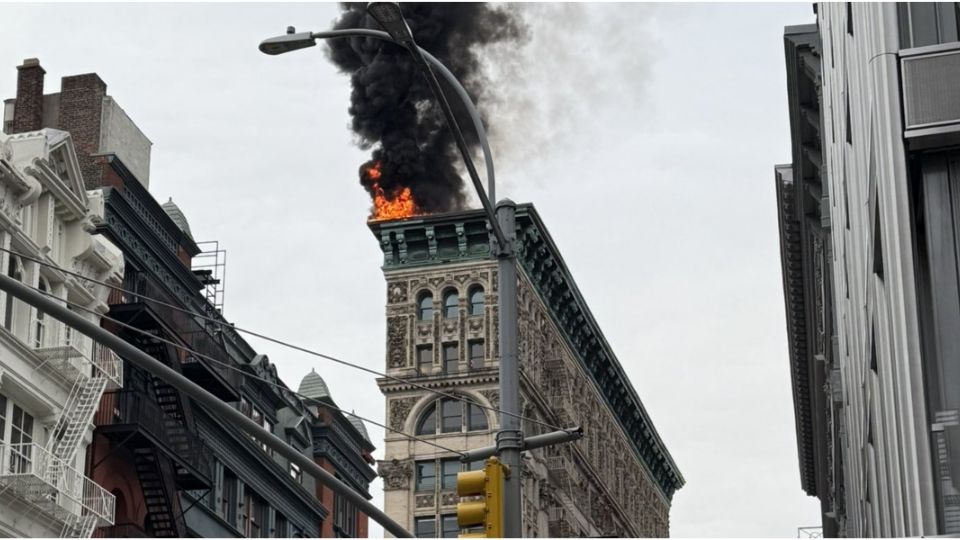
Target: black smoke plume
x=392 y=108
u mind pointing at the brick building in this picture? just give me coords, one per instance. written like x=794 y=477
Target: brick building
x=174 y=469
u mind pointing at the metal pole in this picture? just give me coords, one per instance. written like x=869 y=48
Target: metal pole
x=528 y=443
x=228 y=414
x=509 y=438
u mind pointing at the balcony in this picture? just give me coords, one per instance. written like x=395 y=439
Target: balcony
x=71 y=354
x=136 y=420
x=51 y=486
x=142 y=313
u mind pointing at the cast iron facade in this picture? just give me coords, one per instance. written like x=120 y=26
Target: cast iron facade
x=442 y=334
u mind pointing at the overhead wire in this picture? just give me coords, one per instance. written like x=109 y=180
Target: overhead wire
x=282 y=343
x=241 y=371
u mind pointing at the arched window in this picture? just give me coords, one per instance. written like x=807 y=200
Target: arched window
x=477 y=300
x=428 y=421
x=449 y=415
x=450 y=302
x=425 y=307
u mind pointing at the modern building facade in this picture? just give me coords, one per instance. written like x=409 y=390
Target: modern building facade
x=51 y=379
x=442 y=335
x=867 y=217
x=173 y=468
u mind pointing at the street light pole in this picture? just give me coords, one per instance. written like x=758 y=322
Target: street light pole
x=502 y=223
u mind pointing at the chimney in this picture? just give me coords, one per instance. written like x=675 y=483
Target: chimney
x=28 y=107
x=81 y=109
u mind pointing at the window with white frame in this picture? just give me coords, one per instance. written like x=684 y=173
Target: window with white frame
x=16 y=432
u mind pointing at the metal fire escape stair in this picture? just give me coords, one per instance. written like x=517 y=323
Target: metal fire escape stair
x=155 y=473
x=94 y=367
x=79 y=526
x=77 y=415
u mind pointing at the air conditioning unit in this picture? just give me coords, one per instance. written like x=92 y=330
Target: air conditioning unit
x=931 y=94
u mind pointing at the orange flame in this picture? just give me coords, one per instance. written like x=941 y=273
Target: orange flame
x=398 y=205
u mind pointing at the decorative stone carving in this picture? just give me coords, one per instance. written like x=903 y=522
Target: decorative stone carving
x=395 y=473
x=425 y=500
x=397 y=292
x=493 y=396
x=399 y=410
x=397 y=341
x=448 y=499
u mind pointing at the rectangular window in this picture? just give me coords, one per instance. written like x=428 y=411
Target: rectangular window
x=425 y=358
x=426 y=475
x=3 y=418
x=476 y=353
x=425 y=527
x=449 y=469
x=280 y=525
x=228 y=499
x=21 y=441
x=927 y=23
x=450 y=357
x=450 y=527
x=253 y=514
x=344 y=518
x=451 y=420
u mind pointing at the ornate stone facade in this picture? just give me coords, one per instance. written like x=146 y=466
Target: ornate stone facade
x=606 y=483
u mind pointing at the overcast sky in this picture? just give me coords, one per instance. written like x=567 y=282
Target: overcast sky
x=645 y=136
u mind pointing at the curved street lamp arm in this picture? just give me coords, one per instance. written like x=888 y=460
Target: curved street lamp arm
x=471 y=110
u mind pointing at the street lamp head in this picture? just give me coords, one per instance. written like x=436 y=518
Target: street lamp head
x=287 y=42
x=391 y=19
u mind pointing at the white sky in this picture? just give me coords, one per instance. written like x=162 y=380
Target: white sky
x=645 y=135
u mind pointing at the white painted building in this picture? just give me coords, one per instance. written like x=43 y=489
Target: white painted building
x=870 y=241
x=51 y=379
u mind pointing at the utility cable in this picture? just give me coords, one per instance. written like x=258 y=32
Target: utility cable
x=284 y=343
x=239 y=370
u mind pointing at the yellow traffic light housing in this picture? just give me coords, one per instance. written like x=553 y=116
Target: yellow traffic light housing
x=485 y=506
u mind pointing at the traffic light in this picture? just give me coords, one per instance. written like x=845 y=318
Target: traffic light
x=487 y=509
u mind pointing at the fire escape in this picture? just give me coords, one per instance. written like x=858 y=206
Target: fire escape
x=44 y=477
x=150 y=419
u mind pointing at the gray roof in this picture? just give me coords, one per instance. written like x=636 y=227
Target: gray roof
x=313 y=386
x=358 y=423
x=174 y=212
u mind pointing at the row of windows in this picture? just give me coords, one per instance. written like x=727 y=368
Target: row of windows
x=451 y=356
x=451 y=302
x=246 y=510
x=426 y=527
x=448 y=468
x=454 y=416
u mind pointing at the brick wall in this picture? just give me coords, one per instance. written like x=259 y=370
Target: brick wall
x=28 y=108
x=81 y=107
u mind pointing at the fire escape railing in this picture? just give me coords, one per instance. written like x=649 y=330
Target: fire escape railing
x=198 y=336
x=136 y=409
x=34 y=475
